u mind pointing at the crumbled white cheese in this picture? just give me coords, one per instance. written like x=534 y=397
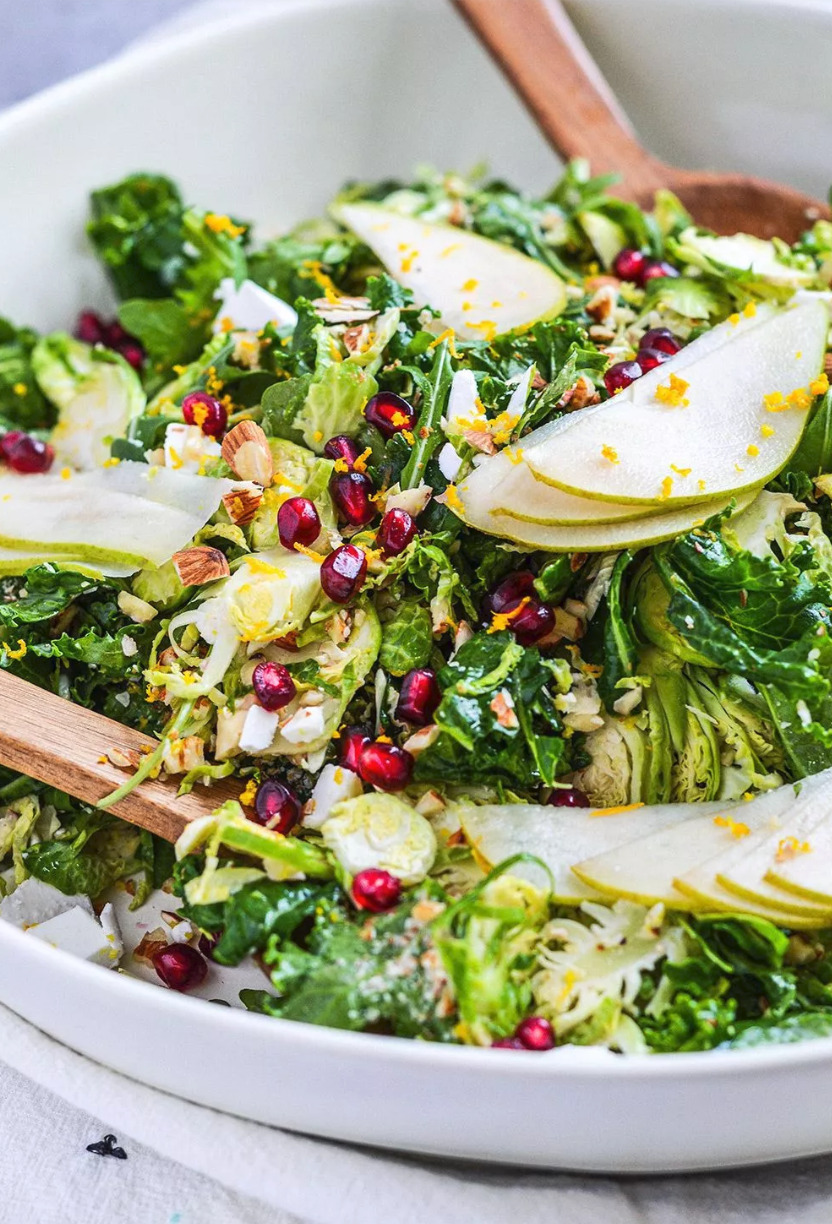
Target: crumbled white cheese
x=187 y=448
x=34 y=901
x=259 y=730
x=304 y=726
x=334 y=784
x=79 y=933
x=449 y=462
x=251 y=307
x=129 y=646
x=463 y=408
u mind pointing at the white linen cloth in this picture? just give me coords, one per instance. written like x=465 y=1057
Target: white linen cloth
x=191 y=1165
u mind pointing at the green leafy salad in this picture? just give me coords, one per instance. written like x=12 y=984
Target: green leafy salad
x=482 y=547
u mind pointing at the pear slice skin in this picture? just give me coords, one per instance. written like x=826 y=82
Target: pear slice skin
x=625 y=448
x=743 y=873
x=719 y=899
x=604 y=537
x=647 y=869
x=501 y=487
x=451 y=269
x=560 y=835
x=808 y=875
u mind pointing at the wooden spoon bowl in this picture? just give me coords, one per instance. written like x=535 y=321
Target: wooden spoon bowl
x=537 y=48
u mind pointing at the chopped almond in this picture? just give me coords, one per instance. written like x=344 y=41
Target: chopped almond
x=602 y=303
x=503 y=709
x=197 y=566
x=481 y=440
x=243 y=503
x=357 y=339
x=124 y=758
x=245 y=449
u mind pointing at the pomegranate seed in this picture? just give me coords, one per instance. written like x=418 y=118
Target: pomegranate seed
x=351 y=495
x=273 y=685
x=395 y=533
x=206 y=411
x=180 y=966
x=655 y=268
x=23 y=453
x=419 y=697
x=376 y=890
x=115 y=335
x=648 y=359
x=298 y=523
x=511 y=590
x=353 y=740
x=390 y=413
x=620 y=375
x=206 y=944
x=275 y=806
x=629 y=264
x=133 y=354
x=535 y=1033
x=91 y=328
x=532 y=622
x=508 y=1043
x=385 y=766
x=342 y=447
x=569 y=797
x=661 y=339
x=343 y=573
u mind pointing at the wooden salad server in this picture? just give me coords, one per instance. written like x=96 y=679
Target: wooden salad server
x=66 y=746
x=536 y=46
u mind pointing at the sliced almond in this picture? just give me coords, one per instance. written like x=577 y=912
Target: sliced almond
x=481 y=440
x=357 y=339
x=124 y=758
x=243 y=503
x=196 y=566
x=344 y=309
x=245 y=449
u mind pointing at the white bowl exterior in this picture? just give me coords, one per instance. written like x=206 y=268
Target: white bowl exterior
x=264 y=118
x=584 y=1110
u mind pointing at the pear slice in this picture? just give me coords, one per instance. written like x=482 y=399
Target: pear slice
x=719 y=899
x=734 y=880
x=559 y=836
x=808 y=874
x=646 y=870
x=697 y=426
x=744 y=871
x=481 y=288
x=127 y=515
x=503 y=487
x=14 y=562
x=599 y=537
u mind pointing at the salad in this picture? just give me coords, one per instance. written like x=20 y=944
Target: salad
x=485 y=544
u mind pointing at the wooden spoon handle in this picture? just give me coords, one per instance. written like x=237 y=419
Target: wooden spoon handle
x=66 y=746
x=536 y=45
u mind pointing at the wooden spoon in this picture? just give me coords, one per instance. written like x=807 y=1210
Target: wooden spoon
x=66 y=746
x=537 y=48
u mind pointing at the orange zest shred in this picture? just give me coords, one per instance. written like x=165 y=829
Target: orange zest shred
x=736 y=827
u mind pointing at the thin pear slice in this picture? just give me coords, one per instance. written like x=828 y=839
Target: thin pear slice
x=15 y=562
x=481 y=288
x=646 y=869
x=808 y=873
x=503 y=487
x=731 y=881
x=131 y=514
x=717 y=898
x=602 y=537
x=744 y=872
x=559 y=836
x=706 y=434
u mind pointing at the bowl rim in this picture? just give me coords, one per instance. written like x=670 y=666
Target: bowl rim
x=583 y=1062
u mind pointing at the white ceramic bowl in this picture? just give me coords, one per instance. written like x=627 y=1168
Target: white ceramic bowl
x=265 y=116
